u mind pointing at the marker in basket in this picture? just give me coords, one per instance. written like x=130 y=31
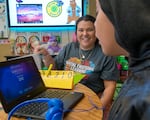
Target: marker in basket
x=49 y=69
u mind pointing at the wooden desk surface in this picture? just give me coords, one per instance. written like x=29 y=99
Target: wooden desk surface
x=84 y=105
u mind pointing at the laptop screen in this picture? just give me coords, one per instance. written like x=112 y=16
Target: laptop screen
x=19 y=79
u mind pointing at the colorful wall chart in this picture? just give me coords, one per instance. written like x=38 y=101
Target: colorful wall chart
x=3 y=20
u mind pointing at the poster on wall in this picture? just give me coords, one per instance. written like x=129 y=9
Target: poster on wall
x=21 y=44
x=3 y=20
x=34 y=40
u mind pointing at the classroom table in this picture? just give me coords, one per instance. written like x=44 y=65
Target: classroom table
x=89 y=108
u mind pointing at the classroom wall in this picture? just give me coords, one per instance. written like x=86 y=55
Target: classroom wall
x=5 y=49
x=67 y=36
x=92 y=7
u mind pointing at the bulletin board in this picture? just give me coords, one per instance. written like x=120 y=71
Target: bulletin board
x=3 y=20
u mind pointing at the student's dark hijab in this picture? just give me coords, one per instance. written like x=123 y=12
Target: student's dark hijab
x=131 y=19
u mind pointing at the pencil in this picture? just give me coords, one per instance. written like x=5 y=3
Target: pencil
x=49 y=69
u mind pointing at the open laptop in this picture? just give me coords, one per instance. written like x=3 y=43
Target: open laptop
x=37 y=58
x=20 y=80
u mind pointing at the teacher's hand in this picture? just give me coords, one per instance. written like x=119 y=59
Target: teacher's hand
x=41 y=50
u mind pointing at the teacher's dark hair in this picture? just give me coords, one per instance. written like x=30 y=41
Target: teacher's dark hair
x=85 y=18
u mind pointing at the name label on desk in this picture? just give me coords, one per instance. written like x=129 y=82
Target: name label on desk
x=58 y=79
x=62 y=75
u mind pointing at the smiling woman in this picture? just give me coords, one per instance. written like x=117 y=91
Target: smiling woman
x=85 y=32
x=86 y=57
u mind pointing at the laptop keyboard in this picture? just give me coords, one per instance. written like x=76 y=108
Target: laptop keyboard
x=39 y=108
x=33 y=109
x=51 y=93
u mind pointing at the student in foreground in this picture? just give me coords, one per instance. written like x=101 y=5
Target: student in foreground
x=127 y=22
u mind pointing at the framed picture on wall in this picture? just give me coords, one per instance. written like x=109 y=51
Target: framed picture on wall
x=3 y=20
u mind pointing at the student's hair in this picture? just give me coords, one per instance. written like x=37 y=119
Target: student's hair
x=85 y=18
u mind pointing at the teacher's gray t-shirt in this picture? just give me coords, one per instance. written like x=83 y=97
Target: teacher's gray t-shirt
x=96 y=65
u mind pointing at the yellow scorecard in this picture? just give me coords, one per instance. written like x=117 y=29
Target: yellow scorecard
x=60 y=78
